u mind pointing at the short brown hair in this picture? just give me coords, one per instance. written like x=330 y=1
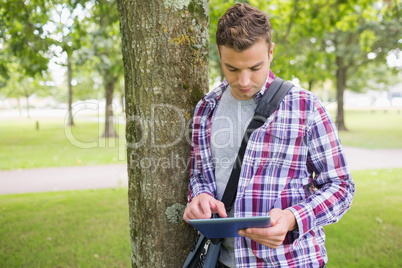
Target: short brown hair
x=242 y=26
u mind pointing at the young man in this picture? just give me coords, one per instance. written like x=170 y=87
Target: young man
x=293 y=170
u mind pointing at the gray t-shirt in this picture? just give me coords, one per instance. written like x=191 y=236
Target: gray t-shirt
x=228 y=127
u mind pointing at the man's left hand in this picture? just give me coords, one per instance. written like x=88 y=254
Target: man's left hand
x=282 y=221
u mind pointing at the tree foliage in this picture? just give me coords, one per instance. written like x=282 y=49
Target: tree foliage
x=83 y=36
x=334 y=40
x=22 y=34
x=315 y=41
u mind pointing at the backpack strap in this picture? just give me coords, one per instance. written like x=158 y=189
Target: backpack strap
x=272 y=98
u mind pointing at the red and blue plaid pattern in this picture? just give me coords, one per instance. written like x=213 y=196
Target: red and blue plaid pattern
x=293 y=161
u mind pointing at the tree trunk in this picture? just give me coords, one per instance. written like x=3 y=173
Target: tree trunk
x=340 y=88
x=165 y=55
x=27 y=97
x=310 y=85
x=27 y=106
x=70 y=90
x=110 y=131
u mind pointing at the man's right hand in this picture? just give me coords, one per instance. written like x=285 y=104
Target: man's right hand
x=203 y=206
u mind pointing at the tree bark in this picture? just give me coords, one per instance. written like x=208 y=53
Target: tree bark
x=165 y=55
x=70 y=91
x=110 y=131
x=340 y=89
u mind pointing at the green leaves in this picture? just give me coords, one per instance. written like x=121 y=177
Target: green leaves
x=22 y=34
x=367 y=40
x=308 y=35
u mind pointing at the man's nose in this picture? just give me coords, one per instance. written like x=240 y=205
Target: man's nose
x=244 y=79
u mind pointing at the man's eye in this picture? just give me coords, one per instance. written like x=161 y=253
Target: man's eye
x=255 y=69
x=233 y=70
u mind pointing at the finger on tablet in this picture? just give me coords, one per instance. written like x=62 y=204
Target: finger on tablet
x=206 y=209
x=221 y=210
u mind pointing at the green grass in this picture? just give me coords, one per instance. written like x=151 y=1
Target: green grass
x=369 y=234
x=373 y=130
x=90 y=228
x=65 y=229
x=53 y=145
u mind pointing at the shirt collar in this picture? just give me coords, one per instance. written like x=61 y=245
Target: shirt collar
x=268 y=82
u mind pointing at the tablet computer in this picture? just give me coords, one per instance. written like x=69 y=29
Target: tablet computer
x=228 y=227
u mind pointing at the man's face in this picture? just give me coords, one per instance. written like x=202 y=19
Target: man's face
x=246 y=71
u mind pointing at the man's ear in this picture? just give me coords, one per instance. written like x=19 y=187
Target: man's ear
x=271 y=52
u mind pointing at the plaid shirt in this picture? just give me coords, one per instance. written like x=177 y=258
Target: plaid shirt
x=293 y=161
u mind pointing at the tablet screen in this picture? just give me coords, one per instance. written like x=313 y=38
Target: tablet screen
x=228 y=227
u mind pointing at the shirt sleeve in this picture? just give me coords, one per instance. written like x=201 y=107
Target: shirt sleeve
x=333 y=186
x=198 y=183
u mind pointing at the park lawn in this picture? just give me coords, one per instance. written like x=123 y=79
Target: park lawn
x=90 y=228
x=65 y=229
x=369 y=235
x=53 y=145
x=373 y=129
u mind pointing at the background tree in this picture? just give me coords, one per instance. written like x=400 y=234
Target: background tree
x=33 y=32
x=357 y=30
x=373 y=76
x=20 y=85
x=165 y=55
x=23 y=45
x=70 y=36
x=106 y=43
x=22 y=34
x=335 y=40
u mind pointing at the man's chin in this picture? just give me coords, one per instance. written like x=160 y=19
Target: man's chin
x=244 y=96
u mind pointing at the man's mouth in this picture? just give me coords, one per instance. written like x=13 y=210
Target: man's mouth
x=245 y=90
